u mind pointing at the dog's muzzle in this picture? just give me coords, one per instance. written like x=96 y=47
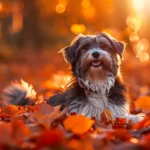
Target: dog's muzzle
x=96 y=62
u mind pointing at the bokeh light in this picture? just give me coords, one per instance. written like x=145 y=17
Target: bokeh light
x=78 y=28
x=46 y=26
x=60 y=8
x=1 y=6
x=87 y=9
x=134 y=22
x=134 y=37
x=138 y=5
x=143 y=56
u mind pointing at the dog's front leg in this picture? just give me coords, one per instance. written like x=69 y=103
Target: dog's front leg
x=56 y=100
x=135 y=118
x=123 y=112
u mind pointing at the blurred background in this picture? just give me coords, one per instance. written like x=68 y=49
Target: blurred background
x=33 y=31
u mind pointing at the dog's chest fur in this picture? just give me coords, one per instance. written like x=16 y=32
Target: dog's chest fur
x=98 y=100
x=92 y=106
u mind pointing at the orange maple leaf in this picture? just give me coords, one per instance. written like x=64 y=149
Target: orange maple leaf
x=78 y=124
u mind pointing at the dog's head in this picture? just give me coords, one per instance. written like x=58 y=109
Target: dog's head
x=94 y=56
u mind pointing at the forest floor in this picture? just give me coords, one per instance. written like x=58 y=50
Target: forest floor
x=41 y=126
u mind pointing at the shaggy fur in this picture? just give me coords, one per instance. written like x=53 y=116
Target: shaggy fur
x=96 y=82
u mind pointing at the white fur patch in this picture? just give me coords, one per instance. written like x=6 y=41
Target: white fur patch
x=91 y=108
x=102 y=87
x=96 y=103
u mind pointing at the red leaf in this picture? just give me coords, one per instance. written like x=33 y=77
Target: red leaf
x=51 y=137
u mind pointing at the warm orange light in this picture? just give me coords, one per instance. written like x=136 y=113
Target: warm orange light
x=65 y=82
x=29 y=88
x=89 y=12
x=142 y=45
x=60 y=8
x=78 y=28
x=64 y=2
x=134 y=22
x=133 y=37
x=85 y=3
x=87 y=9
x=1 y=6
x=138 y=5
x=59 y=81
x=143 y=56
x=17 y=16
x=134 y=140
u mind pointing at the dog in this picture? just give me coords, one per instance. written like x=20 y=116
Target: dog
x=96 y=83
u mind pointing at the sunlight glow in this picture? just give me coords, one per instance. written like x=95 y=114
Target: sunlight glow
x=138 y=5
x=65 y=82
x=1 y=6
x=85 y=3
x=134 y=140
x=87 y=9
x=59 y=81
x=17 y=18
x=133 y=37
x=60 y=8
x=142 y=46
x=143 y=56
x=78 y=28
x=29 y=88
x=134 y=22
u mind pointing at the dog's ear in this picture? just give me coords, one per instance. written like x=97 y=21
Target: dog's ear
x=118 y=47
x=69 y=52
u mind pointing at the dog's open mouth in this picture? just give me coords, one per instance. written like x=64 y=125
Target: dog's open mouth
x=95 y=63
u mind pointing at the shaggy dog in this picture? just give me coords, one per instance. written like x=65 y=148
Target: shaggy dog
x=96 y=83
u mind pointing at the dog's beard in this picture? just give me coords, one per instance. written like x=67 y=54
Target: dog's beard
x=96 y=75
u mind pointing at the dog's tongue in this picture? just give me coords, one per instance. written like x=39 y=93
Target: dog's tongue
x=96 y=63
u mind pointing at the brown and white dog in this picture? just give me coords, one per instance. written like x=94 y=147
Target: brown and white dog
x=96 y=81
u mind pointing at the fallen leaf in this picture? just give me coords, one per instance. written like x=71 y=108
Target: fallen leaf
x=51 y=137
x=109 y=115
x=120 y=123
x=12 y=110
x=121 y=134
x=142 y=124
x=78 y=124
x=20 y=130
x=44 y=108
x=5 y=133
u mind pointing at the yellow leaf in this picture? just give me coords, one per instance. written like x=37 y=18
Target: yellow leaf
x=108 y=113
x=78 y=124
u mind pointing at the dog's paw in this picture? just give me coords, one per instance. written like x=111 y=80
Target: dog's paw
x=135 y=118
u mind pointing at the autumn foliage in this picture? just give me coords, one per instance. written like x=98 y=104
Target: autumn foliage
x=31 y=34
x=42 y=126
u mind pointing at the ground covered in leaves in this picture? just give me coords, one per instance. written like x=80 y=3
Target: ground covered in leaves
x=41 y=126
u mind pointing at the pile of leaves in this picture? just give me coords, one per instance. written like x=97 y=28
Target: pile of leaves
x=42 y=126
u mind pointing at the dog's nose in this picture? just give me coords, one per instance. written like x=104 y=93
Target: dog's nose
x=96 y=54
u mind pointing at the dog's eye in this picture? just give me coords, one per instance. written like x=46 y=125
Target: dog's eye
x=104 y=46
x=86 y=47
